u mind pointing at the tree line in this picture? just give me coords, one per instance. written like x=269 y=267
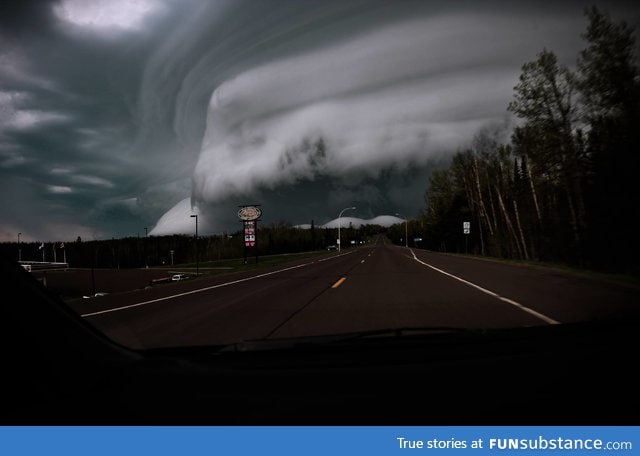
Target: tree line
x=153 y=251
x=563 y=188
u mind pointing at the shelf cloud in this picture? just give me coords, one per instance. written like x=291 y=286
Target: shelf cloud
x=119 y=115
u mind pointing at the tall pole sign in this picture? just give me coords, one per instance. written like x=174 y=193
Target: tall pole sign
x=250 y=215
x=466 y=229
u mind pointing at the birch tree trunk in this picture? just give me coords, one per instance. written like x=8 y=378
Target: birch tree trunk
x=479 y=188
x=534 y=195
x=524 y=243
x=512 y=231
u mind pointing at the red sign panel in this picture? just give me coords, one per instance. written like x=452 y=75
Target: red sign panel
x=249 y=233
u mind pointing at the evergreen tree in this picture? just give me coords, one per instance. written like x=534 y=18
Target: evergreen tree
x=545 y=99
x=609 y=83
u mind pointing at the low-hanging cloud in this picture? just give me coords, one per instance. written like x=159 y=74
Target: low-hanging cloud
x=113 y=112
x=393 y=97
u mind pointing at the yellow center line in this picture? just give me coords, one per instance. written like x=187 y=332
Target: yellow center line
x=339 y=282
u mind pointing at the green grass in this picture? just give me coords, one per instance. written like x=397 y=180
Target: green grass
x=227 y=266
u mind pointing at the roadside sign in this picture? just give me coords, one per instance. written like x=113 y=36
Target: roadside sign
x=249 y=233
x=250 y=216
x=466 y=227
x=248 y=213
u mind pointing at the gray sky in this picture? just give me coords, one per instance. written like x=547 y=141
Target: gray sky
x=116 y=115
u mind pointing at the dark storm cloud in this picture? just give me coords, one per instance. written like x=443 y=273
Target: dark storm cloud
x=68 y=97
x=113 y=112
x=20 y=18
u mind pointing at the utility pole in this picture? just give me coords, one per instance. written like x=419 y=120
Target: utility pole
x=197 y=261
x=339 y=223
x=146 y=257
x=406 y=231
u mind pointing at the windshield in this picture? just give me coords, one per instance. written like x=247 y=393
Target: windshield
x=202 y=173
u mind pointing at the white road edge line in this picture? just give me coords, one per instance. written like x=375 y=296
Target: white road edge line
x=542 y=317
x=336 y=256
x=165 y=298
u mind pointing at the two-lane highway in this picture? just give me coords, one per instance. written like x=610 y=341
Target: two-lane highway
x=373 y=287
x=221 y=310
x=390 y=289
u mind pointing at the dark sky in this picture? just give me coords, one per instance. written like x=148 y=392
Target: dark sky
x=116 y=115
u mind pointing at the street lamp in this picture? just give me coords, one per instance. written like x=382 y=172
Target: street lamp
x=19 y=250
x=406 y=239
x=339 y=223
x=197 y=263
x=146 y=257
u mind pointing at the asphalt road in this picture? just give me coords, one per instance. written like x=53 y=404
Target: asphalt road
x=366 y=288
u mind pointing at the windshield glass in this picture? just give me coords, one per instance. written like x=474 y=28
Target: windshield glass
x=199 y=173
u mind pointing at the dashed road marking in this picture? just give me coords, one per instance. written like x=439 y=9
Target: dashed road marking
x=339 y=282
x=233 y=282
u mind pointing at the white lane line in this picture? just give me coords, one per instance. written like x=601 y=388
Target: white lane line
x=336 y=256
x=165 y=298
x=362 y=262
x=542 y=317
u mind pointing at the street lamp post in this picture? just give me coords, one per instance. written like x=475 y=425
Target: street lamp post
x=339 y=223
x=197 y=262
x=19 y=250
x=146 y=256
x=406 y=239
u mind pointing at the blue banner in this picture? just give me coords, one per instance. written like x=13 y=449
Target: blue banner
x=291 y=440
